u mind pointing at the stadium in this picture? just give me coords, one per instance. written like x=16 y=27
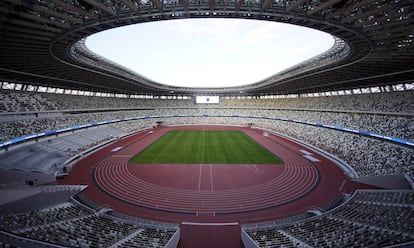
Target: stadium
x=93 y=154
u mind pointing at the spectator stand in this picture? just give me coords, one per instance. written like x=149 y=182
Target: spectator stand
x=370 y=218
x=72 y=224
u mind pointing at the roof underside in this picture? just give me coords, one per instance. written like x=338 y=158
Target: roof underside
x=42 y=42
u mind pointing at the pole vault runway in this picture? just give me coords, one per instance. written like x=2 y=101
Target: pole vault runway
x=210 y=193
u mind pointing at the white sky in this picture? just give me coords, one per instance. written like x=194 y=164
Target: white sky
x=209 y=52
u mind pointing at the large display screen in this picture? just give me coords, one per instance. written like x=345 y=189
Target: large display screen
x=207 y=99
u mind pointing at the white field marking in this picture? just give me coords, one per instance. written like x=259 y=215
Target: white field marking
x=252 y=167
x=305 y=152
x=117 y=149
x=311 y=158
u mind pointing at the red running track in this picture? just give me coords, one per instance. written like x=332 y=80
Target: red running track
x=208 y=193
x=296 y=178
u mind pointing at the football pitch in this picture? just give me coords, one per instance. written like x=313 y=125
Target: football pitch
x=205 y=147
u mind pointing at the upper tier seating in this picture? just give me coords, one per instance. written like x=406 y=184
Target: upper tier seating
x=21 y=101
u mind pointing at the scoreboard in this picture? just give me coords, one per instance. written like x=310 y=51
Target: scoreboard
x=207 y=99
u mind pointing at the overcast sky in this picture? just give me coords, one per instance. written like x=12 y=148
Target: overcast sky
x=209 y=52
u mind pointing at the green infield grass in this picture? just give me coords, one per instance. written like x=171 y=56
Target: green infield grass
x=205 y=147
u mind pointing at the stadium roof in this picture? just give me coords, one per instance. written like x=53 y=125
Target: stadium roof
x=42 y=43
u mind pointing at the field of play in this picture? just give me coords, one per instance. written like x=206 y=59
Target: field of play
x=208 y=188
x=205 y=147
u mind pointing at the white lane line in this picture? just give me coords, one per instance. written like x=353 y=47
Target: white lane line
x=210 y=224
x=199 y=179
x=211 y=177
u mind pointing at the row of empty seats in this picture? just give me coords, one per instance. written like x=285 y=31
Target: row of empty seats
x=379 y=158
x=78 y=142
x=21 y=101
x=351 y=225
x=31 y=158
x=41 y=217
x=396 y=126
x=72 y=225
x=369 y=157
x=49 y=156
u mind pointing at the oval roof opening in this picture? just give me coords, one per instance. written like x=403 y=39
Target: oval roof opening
x=209 y=52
